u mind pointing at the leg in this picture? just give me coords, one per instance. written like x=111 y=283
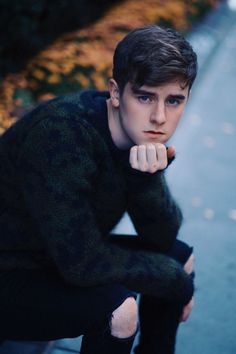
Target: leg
x=38 y=305
x=118 y=337
x=159 y=320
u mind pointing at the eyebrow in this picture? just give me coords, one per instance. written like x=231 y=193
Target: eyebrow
x=178 y=97
x=138 y=91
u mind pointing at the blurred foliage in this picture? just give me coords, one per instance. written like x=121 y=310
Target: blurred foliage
x=83 y=58
x=27 y=26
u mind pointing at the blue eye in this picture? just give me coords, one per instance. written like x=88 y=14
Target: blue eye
x=144 y=99
x=173 y=101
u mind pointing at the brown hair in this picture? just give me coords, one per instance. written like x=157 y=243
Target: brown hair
x=152 y=56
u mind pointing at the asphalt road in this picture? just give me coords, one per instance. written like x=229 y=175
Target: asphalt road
x=203 y=179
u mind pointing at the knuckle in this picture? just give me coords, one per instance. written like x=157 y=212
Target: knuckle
x=161 y=149
x=144 y=167
x=153 y=168
x=160 y=146
x=163 y=165
x=150 y=147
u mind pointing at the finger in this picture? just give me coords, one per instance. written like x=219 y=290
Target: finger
x=171 y=152
x=161 y=156
x=133 y=157
x=187 y=311
x=142 y=158
x=151 y=158
x=184 y=316
x=188 y=267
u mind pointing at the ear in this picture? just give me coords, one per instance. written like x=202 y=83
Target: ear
x=114 y=93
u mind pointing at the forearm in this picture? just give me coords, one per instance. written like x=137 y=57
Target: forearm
x=140 y=270
x=154 y=212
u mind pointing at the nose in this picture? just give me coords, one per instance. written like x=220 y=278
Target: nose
x=158 y=113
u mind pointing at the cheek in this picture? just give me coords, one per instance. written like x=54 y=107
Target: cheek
x=175 y=120
x=129 y=116
x=172 y=126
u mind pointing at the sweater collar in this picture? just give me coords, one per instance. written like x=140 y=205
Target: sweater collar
x=95 y=102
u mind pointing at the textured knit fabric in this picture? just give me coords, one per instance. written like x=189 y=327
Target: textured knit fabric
x=64 y=185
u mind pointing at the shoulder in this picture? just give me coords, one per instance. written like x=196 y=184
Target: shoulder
x=64 y=116
x=58 y=142
x=65 y=131
x=63 y=121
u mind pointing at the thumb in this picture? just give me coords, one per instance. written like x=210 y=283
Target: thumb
x=170 y=152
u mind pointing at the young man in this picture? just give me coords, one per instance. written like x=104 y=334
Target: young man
x=69 y=170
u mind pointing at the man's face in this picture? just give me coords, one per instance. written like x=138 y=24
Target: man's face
x=151 y=114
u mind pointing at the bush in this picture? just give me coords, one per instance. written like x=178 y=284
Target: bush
x=27 y=26
x=83 y=58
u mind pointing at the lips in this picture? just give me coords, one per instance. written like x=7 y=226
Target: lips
x=156 y=135
x=153 y=132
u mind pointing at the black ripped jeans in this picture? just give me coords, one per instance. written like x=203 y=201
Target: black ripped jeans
x=38 y=305
x=159 y=319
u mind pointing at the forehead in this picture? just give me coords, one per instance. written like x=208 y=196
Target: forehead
x=172 y=88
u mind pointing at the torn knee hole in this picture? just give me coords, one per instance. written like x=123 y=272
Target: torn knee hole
x=124 y=320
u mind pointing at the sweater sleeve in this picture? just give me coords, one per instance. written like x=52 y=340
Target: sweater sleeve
x=153 y=211
x=56 y=169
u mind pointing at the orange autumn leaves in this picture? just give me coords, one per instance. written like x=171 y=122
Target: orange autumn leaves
x=83 y=58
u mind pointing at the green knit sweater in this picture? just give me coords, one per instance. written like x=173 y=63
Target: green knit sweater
x=64 y=185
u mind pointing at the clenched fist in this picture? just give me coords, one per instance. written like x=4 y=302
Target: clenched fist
x=150 y=157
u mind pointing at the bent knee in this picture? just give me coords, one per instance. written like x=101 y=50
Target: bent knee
x=189 y=265
x=124 y=320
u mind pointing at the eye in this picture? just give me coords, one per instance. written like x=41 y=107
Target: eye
x=145 y=99
x=172 y=101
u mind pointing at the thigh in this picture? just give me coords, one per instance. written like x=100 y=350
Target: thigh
x=37 y=305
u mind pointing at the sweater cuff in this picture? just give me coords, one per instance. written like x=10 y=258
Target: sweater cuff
x=137 y=173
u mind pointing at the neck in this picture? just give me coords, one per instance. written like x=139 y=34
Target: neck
x=117 y=133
